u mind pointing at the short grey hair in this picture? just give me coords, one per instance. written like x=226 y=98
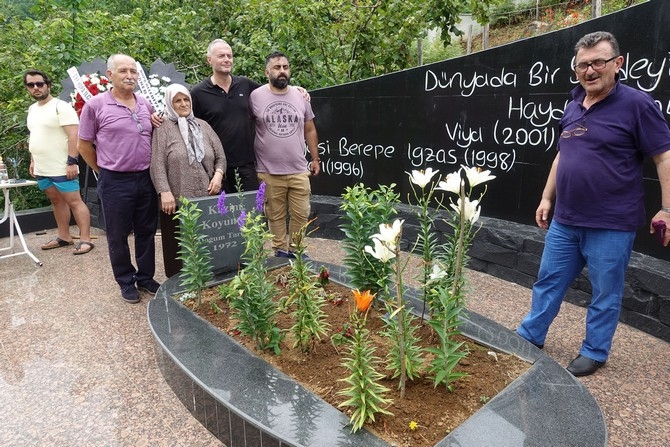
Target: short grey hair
x=593 y=39
x=111 y=60
x=214 y=42
x=111 y=64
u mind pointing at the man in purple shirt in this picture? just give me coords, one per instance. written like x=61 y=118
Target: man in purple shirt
x=596 y=183
x=118 y=122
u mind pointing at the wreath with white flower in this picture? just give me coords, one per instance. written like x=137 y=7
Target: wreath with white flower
x=81 y=88
x=95 y=83
x=158 y=86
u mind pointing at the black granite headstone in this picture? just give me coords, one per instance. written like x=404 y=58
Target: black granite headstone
x=221 y=231
x=496 y=109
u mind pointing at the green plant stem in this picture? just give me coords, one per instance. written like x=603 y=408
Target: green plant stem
x=401 y=320
x=365 y=394
x=460 y=245
x=427 y=249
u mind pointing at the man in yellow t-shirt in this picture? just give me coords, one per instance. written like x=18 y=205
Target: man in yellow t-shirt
x=53 y=126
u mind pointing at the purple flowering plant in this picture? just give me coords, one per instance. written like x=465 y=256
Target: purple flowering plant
x=259 y=204
x=250 y=222
x=221 y=203
x=242 y=220
x=260 y=198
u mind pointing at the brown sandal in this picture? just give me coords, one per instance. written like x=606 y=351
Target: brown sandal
x=78 y=250
x=56 y=243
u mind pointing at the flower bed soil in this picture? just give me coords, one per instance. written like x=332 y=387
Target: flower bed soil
x=436 y=411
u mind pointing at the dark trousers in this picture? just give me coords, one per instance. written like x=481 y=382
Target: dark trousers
x=247 y=175
x=169 y=231
x=130 y=204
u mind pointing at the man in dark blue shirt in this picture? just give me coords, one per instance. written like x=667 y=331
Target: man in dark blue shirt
x=596 y=183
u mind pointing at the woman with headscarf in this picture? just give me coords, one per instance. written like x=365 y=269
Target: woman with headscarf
x=187 y=160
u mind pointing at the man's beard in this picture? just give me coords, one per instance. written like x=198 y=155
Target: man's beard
x=41 y=96
x=280 y=82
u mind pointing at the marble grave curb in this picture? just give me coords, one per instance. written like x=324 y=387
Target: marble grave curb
x=244 y=401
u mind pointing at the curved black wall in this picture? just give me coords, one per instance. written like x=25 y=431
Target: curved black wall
x=497 y=109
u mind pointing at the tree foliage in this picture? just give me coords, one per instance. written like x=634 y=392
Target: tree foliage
x=329 y=42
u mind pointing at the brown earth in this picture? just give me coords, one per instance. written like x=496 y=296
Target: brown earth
x=436 y=411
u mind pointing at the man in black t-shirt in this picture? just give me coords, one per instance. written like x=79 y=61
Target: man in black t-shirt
x=223 y=101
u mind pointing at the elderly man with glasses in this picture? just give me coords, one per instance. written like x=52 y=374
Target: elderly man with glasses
x=595 y=188
x=118 y=121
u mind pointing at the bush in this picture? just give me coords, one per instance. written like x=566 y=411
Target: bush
x=434 y=50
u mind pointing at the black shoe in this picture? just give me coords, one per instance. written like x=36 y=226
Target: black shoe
x=129 y=294
x=534 y=344
x=584 y=366
x=150 y=286
x=284 y=254
x=304 y=255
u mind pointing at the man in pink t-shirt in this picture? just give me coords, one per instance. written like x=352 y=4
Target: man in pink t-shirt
x=284 y=123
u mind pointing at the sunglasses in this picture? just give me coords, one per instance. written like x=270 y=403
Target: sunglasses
x=137 y=121
x=35 y=84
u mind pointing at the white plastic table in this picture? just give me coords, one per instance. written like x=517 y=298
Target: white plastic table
x=13 y=221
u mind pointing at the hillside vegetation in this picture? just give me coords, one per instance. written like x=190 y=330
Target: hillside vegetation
x=512 y=22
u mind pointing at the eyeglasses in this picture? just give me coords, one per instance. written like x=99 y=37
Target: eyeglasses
x=597 y=64
x=137 y=120
x=576 y=132
x=35 y=84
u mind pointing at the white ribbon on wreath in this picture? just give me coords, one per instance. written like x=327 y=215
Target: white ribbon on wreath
x=79 y=84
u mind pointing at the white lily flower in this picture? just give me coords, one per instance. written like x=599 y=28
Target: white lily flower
x=437 y=273
x=421 y=178
x=476 y=176
x=380 y=252
x=452 y=183
x=155 y=82
x=389 y=233
x=165 y=79
x=472 y=209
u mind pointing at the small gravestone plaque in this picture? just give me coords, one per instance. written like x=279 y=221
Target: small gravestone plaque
x=221 y=231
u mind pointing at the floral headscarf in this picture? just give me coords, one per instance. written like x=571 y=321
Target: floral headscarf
x=188 y=126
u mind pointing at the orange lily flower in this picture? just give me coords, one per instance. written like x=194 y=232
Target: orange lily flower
x=363 y=299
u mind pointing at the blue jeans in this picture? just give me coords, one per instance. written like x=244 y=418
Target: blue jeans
x=567 y=250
